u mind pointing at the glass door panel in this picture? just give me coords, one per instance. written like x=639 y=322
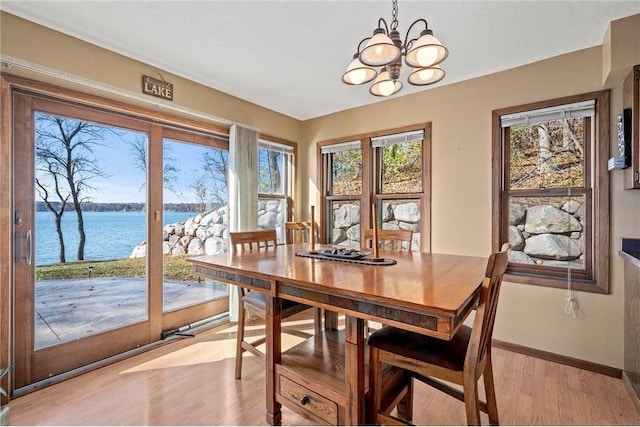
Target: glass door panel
x=90 y=216
x=194 y=220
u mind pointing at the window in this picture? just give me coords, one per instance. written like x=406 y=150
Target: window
x=275 y=172
x=550 y=191
x=389 y=170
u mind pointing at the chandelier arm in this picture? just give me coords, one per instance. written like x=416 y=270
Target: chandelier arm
x=408 y=43
x=386 y=27
x=362 y=41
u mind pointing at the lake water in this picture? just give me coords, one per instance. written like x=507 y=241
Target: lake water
x=110 y=235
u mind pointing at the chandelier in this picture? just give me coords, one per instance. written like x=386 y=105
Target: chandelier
x=385 y=49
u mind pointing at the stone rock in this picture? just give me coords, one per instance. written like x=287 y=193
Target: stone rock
x=139 y=251
x=571 y=206
x=387 y=212
x=552 y=246
x=353 y=233
x=196 y=247
x=407 y=212
x=273 y=206
x=165 y=248
x=218 y=230
x=173 y=240
x=203 y=233
x=520 y=257
x=390 y=226
x=515 y=238
x=549 y=219
x=411 y=226
x=177 y=250
x=346 y=216
x=517 y=213
x=190 y=227
x=184 y=241
x=214 y=246
x=339 y=236
x=268 y=221
x=179 y=230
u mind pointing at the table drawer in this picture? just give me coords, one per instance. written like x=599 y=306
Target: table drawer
x=309 y=401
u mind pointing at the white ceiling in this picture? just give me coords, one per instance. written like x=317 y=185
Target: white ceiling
x=289 y=56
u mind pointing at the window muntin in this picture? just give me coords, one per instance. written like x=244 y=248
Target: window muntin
x=552 y=189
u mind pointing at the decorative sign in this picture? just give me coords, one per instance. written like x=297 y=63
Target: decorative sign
x=155 y=87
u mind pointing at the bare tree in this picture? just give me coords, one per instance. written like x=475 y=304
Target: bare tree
x=41 y=187
x=170 y=170
x=215 y=166
x=64 y=151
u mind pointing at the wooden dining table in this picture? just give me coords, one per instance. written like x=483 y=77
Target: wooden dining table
x=324 y=377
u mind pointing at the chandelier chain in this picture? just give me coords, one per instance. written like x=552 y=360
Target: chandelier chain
x=394 y=21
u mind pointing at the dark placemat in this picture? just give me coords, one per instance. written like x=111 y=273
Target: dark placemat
x=365 y=260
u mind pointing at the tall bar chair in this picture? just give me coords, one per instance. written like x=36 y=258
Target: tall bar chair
x=253 y=301
x=300 y=232
x=462 y=360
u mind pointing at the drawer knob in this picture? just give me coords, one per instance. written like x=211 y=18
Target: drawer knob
x=305 y=399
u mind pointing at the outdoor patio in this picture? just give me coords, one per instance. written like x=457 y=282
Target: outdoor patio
x=73 y=308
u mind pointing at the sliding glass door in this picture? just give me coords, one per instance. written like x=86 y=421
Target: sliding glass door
x=105 y=214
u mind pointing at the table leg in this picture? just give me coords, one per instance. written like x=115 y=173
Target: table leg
x=273 y=357
x=354 y=370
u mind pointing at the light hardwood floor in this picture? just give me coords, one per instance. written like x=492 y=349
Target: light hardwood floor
x=191 y=382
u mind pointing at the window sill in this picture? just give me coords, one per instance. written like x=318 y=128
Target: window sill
x=556 y=282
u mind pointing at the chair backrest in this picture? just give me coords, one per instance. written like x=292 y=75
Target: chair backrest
x=297 y=232
x=482 y=332
x=248 y=241
x=396 y=240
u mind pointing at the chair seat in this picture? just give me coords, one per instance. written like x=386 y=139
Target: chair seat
x=258 y=301
x=447 y=354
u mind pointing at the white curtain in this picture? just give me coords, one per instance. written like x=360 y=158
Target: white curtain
x=243 y=189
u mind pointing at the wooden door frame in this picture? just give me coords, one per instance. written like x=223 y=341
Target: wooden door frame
x=10 y=83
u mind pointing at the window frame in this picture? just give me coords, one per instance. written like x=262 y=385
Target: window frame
x=371 y=182
x=288 y=186
x=595 y=277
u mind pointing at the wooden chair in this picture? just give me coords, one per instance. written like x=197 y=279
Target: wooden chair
x=297 y=232
x=256 y=302
x=395 y=240
x=462 y=361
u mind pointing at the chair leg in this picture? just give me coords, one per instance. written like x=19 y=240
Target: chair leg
x=405 y=406
x=472 y=407
x=375 y=387
x=490 y=391
x=317 y=320
x=240 y=336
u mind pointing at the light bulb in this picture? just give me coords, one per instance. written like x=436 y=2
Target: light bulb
x=387 y=87
x=426 y=74
x=357 y=76
x=427 y=56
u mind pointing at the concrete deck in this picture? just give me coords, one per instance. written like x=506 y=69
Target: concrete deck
x=74 y=308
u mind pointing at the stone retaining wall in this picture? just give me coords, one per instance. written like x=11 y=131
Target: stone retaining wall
x=207 y=233
x=395 y=216
x=547 y=234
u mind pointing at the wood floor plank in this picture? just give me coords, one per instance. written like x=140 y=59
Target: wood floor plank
x=191 y=382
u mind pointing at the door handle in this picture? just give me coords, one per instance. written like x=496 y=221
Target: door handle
x=29 y=247
x=18 y=248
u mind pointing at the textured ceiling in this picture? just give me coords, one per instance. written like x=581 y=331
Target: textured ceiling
x=289 y=55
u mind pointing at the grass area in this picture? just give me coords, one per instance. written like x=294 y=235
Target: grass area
x=175 y=268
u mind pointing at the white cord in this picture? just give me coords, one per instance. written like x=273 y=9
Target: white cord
x=571 y=306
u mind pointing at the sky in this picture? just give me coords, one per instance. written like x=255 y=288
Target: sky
x=124 y=181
